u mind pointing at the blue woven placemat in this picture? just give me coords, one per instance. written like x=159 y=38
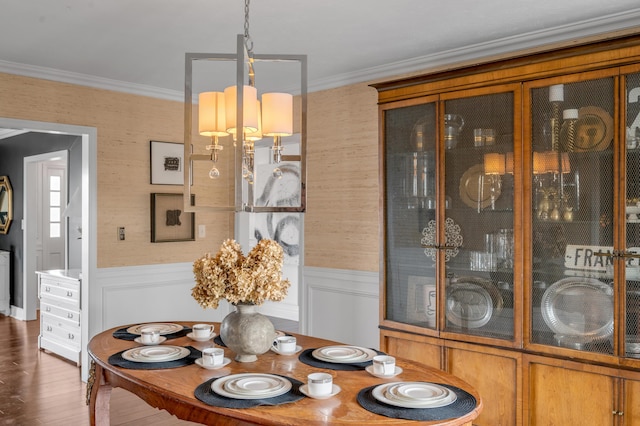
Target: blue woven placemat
x=205 y=394
x=464 y=404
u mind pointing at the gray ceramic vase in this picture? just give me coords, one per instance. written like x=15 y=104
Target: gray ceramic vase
x=247 y=332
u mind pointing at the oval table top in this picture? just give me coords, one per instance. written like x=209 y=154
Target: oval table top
x=173 y=389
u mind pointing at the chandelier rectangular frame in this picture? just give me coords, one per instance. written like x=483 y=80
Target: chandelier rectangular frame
x=243 y=192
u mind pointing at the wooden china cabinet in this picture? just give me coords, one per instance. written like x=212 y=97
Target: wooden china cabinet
x=511 y=231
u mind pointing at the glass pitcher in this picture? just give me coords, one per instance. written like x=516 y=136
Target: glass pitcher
x=453 y=125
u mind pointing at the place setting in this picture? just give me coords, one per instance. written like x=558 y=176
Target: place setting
x=155 y=357
x=246 y=390
x=339 y=357
x=164 y=330
x=416 y=400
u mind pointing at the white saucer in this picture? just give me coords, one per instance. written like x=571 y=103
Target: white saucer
x=160 y=340
x=225 y=361
x=369 y=369
x=201 y=339
x=298 y=349
x=334 y=391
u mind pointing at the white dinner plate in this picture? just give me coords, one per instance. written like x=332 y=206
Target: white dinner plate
x=417 y=392
x=161 y=327
x=343 y=354
x=156 y=353
x=380 y=394
x=254 y=386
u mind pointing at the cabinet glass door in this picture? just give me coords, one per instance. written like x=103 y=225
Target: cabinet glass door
x=572 y=240
x=479 y=237
x=632 y=217
x=410 y=205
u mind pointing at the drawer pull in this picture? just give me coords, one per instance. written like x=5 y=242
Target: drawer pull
x=70 y=315
x=69 y=294
x=47 y=289
x=71 y=336
x=48 y=309
x=49 y=328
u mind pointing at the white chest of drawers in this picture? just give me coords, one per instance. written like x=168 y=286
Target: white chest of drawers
x=5 y=277
x=60 y=325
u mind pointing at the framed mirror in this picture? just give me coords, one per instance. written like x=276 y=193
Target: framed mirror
x=6 y=208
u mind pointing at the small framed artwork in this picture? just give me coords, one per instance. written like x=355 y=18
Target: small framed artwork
x=167 y=163
x=168 y=220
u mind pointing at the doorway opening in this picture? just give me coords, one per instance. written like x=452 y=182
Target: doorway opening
x=88 y=209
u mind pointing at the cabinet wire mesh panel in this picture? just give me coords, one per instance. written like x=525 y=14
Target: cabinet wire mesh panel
x=410 y=202
x=573 y=219
x=479 y=238
x=632 y=217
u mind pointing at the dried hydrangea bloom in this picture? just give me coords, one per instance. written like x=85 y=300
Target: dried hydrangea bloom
x=239 y=279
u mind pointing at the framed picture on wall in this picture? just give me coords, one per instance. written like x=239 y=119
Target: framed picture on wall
x=167 y=163
x=168 y=220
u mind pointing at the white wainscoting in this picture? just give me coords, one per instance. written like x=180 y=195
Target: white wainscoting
x=129 y=295
x=341 y=305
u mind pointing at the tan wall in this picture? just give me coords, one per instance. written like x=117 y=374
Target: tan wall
x=342 y=215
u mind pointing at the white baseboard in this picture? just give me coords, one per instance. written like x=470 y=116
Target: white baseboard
x=18 y=313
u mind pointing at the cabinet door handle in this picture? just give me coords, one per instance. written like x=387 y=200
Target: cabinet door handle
x=629 y=255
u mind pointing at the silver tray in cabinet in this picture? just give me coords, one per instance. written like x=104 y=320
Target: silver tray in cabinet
x=471 y=302
x=579 y=307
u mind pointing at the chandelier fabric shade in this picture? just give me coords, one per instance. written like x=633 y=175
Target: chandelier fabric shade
x=249 y=108
x=277 y=114
x=211 y=114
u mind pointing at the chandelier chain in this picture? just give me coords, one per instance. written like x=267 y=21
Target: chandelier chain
x=247 y=38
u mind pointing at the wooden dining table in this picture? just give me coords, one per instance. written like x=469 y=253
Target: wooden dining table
x=173 y=389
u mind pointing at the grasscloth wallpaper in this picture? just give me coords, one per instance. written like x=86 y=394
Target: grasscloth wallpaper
x=341 y=224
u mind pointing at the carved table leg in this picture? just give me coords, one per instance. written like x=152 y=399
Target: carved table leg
x=98 y=396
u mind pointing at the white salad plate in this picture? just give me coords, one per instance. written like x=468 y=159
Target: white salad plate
x=371 y=371
x=201 y=339
x=225 y=361
x=156 y=353
x=251 y=386
x=276 y=350
x=343 y=354
x=160 y=340
x=160 y=327
x=335 y=389
x=414 y=395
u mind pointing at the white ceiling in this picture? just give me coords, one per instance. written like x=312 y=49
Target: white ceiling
x=139 y=45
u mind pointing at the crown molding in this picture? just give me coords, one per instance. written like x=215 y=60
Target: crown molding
x=597 y=28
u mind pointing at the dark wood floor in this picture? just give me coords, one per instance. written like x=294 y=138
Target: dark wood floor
x=38 y=388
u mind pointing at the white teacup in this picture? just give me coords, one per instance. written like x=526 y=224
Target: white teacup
x=202 y=330
x=285 y=344
x=319 y=384
x=212 y=356
x=384 y=365
x=149 y=336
